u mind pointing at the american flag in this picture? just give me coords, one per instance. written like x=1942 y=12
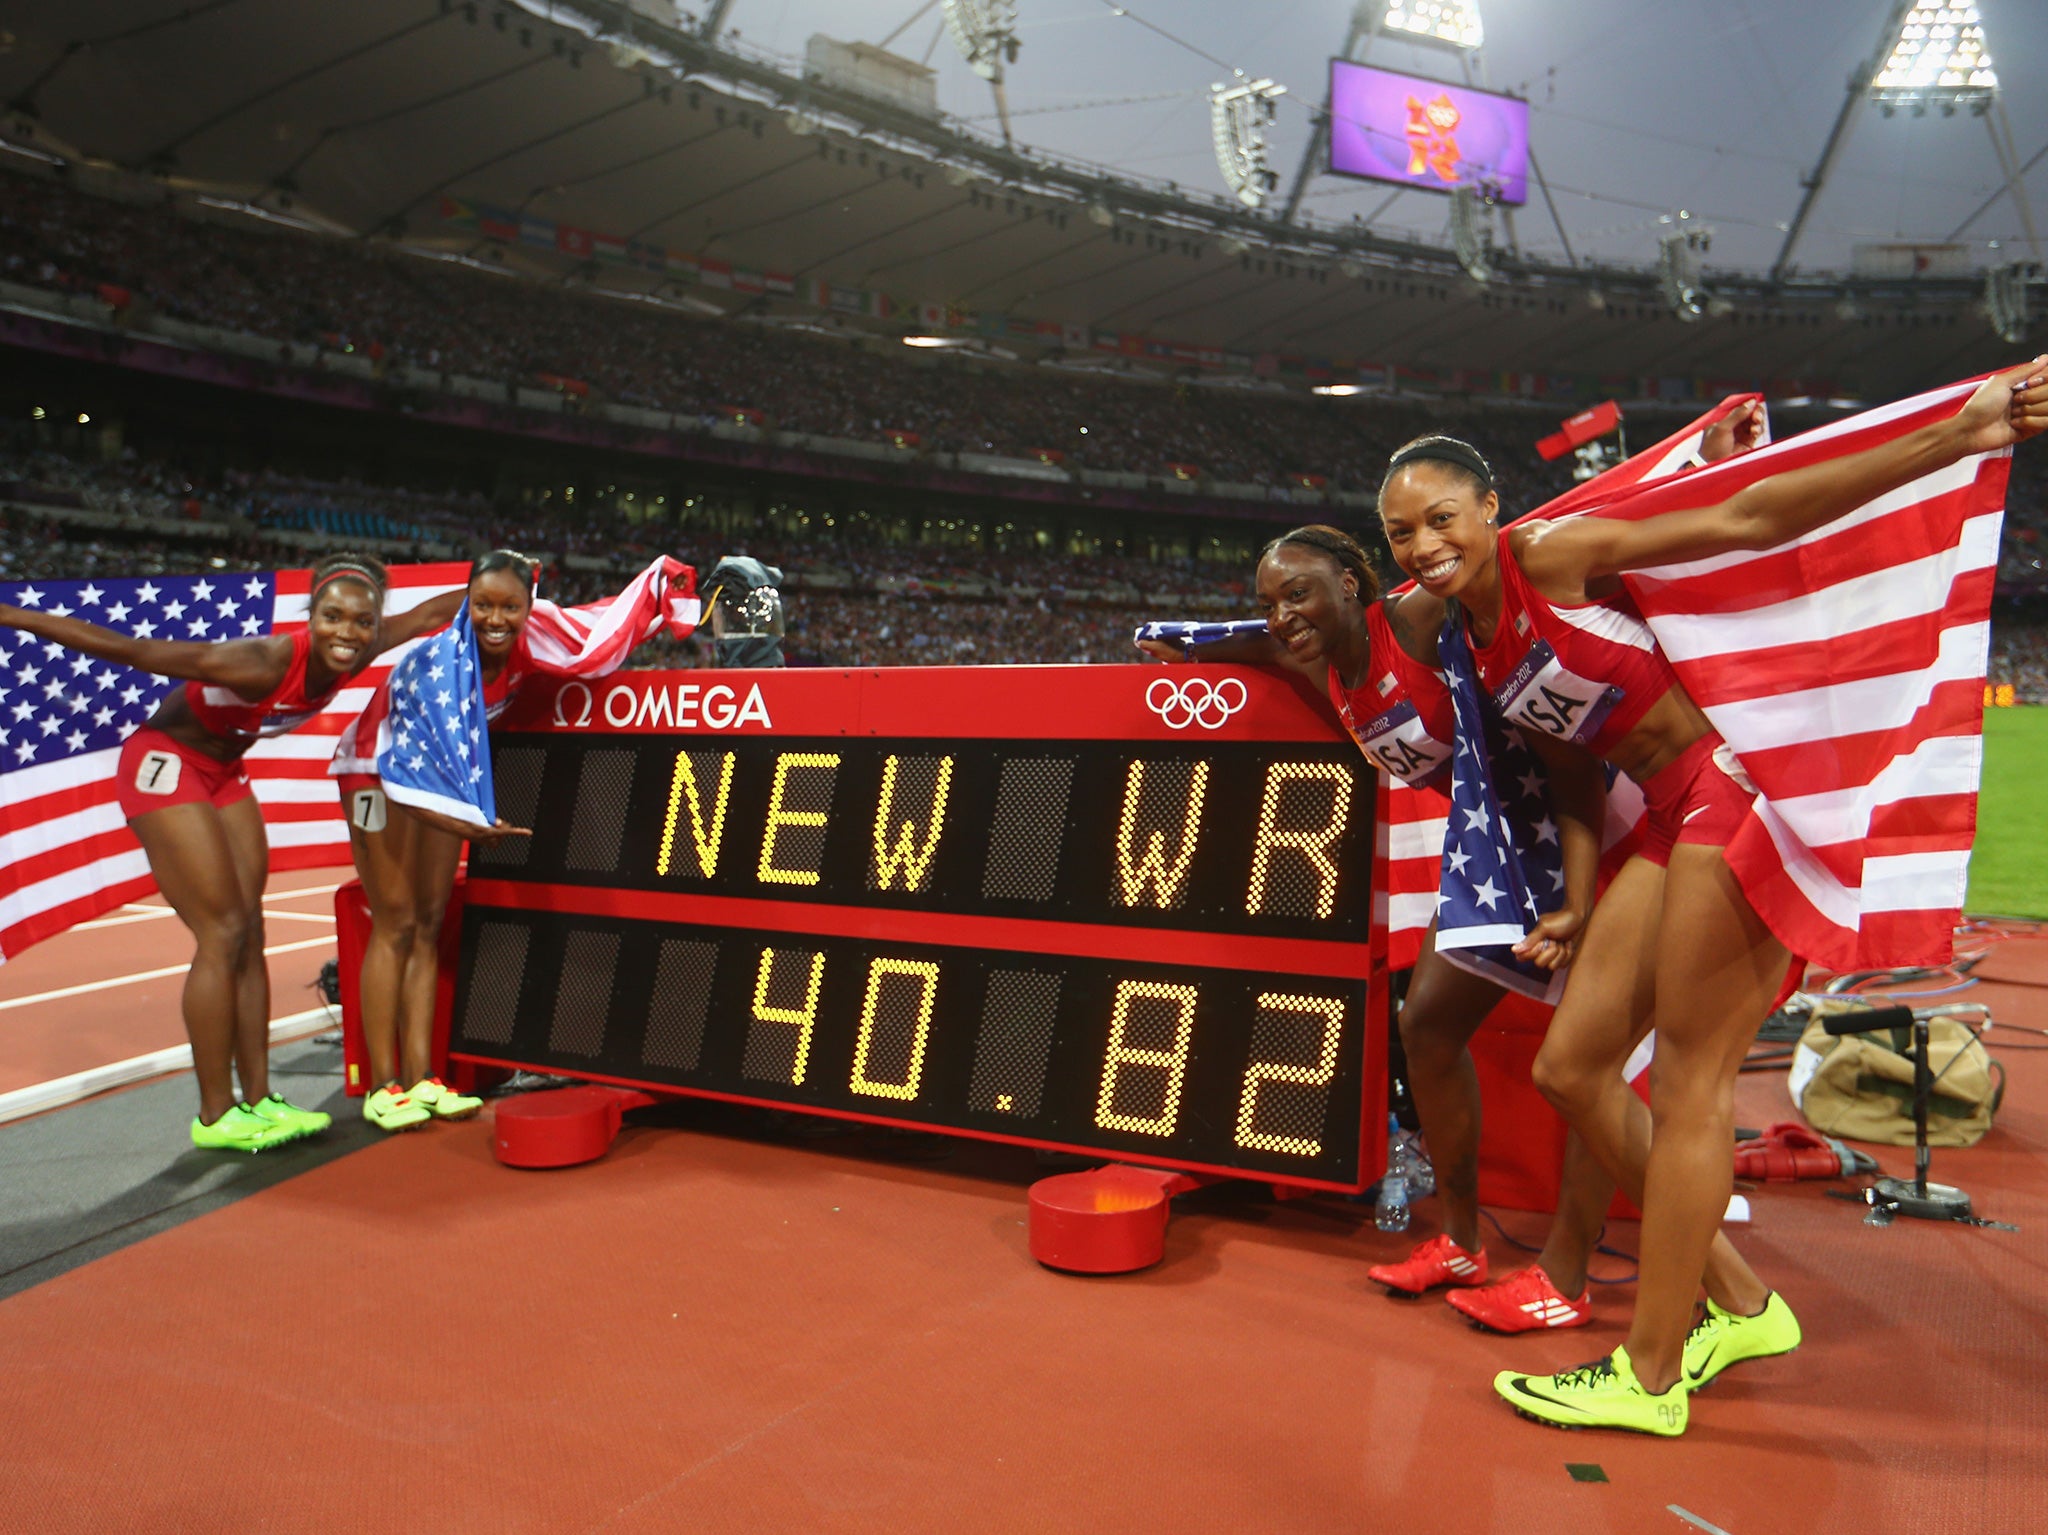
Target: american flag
x=66 y=854
x=438 y=758
x=1414 y=823
x=1503 y=859
x=1846 y=671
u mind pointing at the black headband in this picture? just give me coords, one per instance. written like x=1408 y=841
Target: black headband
x=1444 y=450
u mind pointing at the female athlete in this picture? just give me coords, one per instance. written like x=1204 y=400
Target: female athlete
x=1325 y=617
x=406 y=853
x=1556 y=640
x=180 y=784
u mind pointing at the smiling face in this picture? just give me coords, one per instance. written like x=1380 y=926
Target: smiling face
x=1310 y=603
x=343 y=625
x=499 y=602
x=1439 y=525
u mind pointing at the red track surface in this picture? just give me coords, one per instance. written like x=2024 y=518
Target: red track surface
x=124 y=1011
x=709 y=1334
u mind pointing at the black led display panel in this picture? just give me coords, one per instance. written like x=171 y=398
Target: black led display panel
x=1155 y=948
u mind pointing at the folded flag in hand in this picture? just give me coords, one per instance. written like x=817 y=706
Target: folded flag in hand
x=1192 y=636
x=1503 y=858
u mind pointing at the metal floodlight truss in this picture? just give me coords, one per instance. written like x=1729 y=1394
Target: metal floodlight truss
x=1238 y=115
x=1446 y=23
x=1679 y=258
x=1938 y=59
x=2007 y=298
x=985 y=32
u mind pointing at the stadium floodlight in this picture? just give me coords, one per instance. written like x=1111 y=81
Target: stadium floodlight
x=1679 y=258
x=985 y=32
x=1238 y=115
x=1447 y=23
x=2007 y=299
x=1939 y=60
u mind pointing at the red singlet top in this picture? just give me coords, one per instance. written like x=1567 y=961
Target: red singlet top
x=1400 y=715
x=1585 y=674
x=240 y=721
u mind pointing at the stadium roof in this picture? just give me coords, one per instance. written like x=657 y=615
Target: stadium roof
x=440 y=122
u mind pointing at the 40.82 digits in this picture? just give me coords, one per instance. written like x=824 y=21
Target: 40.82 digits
x=1144 y=1065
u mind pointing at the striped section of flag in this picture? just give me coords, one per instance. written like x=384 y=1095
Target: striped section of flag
x=596 y=637
x=66 y=854
x=1846 y=670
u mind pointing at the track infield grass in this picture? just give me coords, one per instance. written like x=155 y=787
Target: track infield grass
x=2009 y=863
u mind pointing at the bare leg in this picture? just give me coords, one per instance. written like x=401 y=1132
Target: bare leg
x=1444 y=1008
x=435 y=853
x=1607 y=1008
x=1718 y=968
x=1584 y=1194
x=193 y=858
x=384 y=862
x=243 y=822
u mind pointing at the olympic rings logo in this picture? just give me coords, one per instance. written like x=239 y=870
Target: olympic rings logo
x=1195 y=702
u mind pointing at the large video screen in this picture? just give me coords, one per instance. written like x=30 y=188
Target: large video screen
x=1416 y=132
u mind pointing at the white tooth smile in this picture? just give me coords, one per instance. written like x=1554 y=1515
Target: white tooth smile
x=1440 y=569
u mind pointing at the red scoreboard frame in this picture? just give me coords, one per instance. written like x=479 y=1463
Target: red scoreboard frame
x=1117 y=910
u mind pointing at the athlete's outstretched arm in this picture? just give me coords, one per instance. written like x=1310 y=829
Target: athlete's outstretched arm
x=2007 y=408
x=1255 y=647
x=251 y=667
x=434 y=613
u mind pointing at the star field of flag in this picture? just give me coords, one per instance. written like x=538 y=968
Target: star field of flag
x=56 y=704
x=1503 y=859
x=438 y=756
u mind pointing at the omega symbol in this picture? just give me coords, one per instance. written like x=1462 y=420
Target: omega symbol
x=1195 y=702
x=564 y=719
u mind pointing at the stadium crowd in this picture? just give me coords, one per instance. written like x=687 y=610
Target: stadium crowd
x=393 y=306
x=853 y=600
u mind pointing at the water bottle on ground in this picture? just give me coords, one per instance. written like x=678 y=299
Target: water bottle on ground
x=1390 y=1211
x=1421 y=1172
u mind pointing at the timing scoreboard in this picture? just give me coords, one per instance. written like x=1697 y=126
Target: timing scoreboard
x=1113 y=909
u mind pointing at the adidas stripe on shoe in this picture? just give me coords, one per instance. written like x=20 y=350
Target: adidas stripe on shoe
x=1524 y=1301
x=1434 y=1263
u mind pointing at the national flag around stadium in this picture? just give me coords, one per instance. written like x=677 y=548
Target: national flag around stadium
x=66 y=854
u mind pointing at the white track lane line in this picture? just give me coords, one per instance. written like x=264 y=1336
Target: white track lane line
x=135 y=911
x=59 y=1091
x=146 y=975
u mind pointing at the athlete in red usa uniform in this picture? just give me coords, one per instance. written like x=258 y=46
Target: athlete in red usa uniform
x=407 y=853
x=1324 y=616
x=1564 y=655
x=182 y=788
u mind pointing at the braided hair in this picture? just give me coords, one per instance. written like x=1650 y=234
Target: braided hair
x=1337 y=545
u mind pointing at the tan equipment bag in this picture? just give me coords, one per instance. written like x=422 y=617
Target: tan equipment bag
x=1860 y=1086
